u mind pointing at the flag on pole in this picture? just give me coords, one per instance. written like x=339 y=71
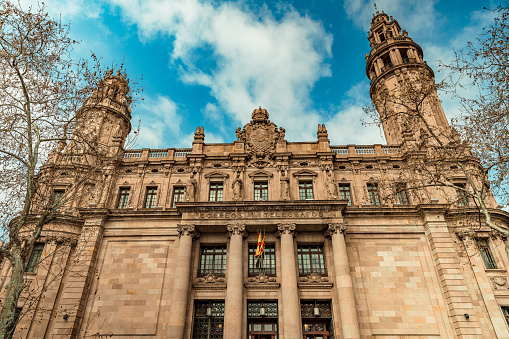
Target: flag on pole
x=261 y=245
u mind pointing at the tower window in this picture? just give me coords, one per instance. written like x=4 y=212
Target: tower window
x=484 y=250
x=35 y=257
x=402 y=195
x=261 y=190
x=462 y=195
x=381 y=35
x=123 y=197
x=150 y=199
x=57 y=196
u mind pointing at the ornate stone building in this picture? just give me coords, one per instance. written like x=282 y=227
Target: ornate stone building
x=166 y=248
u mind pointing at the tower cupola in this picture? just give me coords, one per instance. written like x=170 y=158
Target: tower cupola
x=393 y=60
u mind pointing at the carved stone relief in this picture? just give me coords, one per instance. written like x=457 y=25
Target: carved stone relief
x=261 y=278
x=314 y=278
x=210 y=278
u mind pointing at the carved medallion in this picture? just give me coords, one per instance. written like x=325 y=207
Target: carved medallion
x=260 y=136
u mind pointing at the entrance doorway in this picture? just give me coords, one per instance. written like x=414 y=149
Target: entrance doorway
x=315 y=328
x=262 y=329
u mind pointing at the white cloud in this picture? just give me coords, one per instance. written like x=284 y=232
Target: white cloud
x=160 y=122
x=259 y=61
x=413 y=15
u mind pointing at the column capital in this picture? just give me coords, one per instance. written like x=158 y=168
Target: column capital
x=335 y=228
x=188 y=230
x=285 y=229
x=236 y=229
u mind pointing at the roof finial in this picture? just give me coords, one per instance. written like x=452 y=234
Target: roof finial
x=376 y=9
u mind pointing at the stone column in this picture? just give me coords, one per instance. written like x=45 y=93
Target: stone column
x=233 y=309
x=292 y=324
x=180 y=292
x=344 y=285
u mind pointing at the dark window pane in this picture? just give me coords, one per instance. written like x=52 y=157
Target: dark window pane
x=178 y=195
x=123 y=197
x=35 y=257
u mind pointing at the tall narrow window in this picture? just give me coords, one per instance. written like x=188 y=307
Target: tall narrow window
x=212 y=261
x=123 y=197
x=505 y=311
x=484 y=250
x=208 y=319
x=35 y=257
x=402 y=196
x=305 y=190
x=150 y=199
x=57 y=195
x=462 y=195
x=374 y=198
x=178 y=196
x=265 y=264
x=216 y=191
x=344 y=193
x=311 y=260
x=261 y=190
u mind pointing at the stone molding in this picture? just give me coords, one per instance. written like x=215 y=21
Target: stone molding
x=286 y=229
x=236 y=229
x=335 y=228
x=210 y=279
x=188 y=230
x=314 y=278
x=499 y=283
x=261 y=278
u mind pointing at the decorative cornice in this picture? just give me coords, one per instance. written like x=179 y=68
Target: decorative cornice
x=285 y=229
x=189 y=230
x=236 y=229
x=335 y=228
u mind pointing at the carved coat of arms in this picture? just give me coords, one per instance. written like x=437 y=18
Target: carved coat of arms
x=260 y=136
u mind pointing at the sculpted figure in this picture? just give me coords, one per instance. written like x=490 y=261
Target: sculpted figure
x=331 y=185
x=238 y=133
x=281 y=133
x=237 y=188
x=190 y=188
x=285 y=187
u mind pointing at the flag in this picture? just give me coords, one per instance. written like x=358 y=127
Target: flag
x=261 y=245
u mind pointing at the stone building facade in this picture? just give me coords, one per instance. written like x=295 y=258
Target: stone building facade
x=166 y=248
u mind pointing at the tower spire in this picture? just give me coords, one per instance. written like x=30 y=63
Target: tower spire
x=376 y=9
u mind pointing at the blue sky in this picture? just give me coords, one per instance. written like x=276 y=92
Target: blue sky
x=210 y=63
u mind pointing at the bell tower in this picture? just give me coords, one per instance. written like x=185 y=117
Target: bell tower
x=397 y=71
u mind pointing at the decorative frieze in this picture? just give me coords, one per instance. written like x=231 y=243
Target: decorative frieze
x=210 y=279
x=262 y=278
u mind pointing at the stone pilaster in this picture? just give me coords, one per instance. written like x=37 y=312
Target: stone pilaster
x=344 y=285
x=180 y=291
x=290 y=295
x=233 y=309
x=79 y=278
x=485 y=285
x=447 y=266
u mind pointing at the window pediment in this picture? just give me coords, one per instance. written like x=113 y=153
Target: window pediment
x=216 y=176
x=305 y=175
x=260 y=175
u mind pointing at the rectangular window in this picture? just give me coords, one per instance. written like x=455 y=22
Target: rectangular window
x=374 y=198
x=216 y=191
x=505 y=311
x=208 y=319
x=123 y=197
x=402 y=196
x=311 y=260
x=57 y=195
x=344 y=193
x=262 y=319
x=150 y=199
x=178 y=196
x=484 y=250
x=212 y=261
x=35 y=257
x=462 y=195
x=305 y=190
x=265 y=264
x=261 y=190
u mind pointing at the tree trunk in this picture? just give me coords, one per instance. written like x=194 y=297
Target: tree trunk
x=13 y=291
